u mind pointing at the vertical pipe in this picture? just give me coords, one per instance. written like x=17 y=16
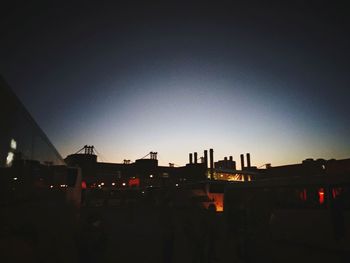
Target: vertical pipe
x=190 y=157
x=242 y=162
x=195 y=157
x=211 y=156
x=206 y=158
x=232 y=164
x=248 y=160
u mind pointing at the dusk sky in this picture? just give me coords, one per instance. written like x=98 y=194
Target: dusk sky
x=238 y=77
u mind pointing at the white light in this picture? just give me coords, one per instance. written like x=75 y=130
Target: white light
x=51 y=186
x=176 y=185
x=102 y=183
x=9 y=158
x=13 y=144
x=15 y=178
x=124 y=184
x=113 y=184
x=151 y=175
x=143 y=192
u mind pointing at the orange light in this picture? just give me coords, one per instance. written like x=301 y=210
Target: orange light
x=321 y=195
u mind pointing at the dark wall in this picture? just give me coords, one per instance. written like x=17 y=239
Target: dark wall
x=18 y=126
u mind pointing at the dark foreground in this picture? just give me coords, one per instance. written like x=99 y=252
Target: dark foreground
x=141 y=233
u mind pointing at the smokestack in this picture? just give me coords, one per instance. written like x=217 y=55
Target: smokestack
x=242 y=161
x=248 y=160
x=226 y=162
x=190 y=157
x=195 y=157
x=231 y=159
x=211 y=156
x=206 y=158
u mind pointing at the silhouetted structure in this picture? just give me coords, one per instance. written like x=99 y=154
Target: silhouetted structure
x=21 y=138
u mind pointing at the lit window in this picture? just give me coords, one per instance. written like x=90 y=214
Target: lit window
x=13 y=144
x=9 y=158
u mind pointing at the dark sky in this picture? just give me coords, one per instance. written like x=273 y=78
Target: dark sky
x=239 y=76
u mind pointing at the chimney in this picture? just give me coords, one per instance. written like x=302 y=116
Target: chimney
x=242 y=161
x=190 y=157
x=231 y=159
x=225 y=162
x=211 y=156
x=206 y=158
x=195 y=157
x=248 y=160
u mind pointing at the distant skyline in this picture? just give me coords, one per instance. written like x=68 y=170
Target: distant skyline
x=270 y=79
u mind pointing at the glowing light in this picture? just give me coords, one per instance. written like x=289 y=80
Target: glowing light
x=83 y=185
x=13 y=144
x=63 y=185
x=151 y=176
x=124 y=184
x=51 y=186
x=113 y=184
x=9 y=158
x=134 y=182
x=102 y=183
x=176 y=185
x=321 y=195
x=15 y=178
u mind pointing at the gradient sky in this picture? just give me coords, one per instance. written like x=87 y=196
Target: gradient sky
x=269 y=79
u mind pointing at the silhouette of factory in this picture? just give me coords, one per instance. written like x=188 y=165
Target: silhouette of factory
x=146 y=172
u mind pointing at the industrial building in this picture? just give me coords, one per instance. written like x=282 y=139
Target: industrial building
x=146 y=172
